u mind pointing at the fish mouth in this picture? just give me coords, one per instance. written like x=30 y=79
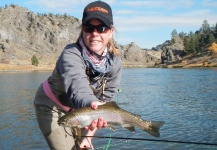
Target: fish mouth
x=61 y=122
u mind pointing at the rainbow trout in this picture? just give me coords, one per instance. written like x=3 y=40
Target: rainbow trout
x=114 y=115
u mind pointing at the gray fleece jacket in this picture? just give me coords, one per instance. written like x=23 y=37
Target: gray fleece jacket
x=70 y=83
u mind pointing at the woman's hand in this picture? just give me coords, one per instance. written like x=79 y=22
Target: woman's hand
x=96 y=124
x=100 y=123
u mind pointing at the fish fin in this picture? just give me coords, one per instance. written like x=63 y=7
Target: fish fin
x=111 y=103
x=111 y=127
x=76 y=132
x=154 y=128
x=77 y=136
x=130 y=128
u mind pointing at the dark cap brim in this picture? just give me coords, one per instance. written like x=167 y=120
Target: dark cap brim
x=105 y=21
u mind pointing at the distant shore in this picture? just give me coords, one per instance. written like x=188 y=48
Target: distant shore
x=8 y=67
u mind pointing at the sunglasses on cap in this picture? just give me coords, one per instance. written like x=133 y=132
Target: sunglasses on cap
x=99 y=28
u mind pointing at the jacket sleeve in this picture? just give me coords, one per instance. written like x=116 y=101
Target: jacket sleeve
x=72 y=69
x=113 y=79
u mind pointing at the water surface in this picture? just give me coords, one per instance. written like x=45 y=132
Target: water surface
x=186 y=99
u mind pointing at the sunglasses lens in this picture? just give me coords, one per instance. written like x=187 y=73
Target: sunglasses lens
x=99 y=28
x=88 y=29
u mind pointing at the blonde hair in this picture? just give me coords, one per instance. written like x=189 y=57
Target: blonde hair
x=111 y=42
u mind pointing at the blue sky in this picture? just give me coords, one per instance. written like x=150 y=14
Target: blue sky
x=145 y=22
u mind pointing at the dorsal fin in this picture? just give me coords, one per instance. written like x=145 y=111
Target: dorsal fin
x=139 y=116
x=112 y=103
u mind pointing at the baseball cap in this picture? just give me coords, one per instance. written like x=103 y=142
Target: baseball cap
x=99 y=10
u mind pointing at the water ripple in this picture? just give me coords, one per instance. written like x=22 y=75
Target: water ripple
x=185 y=99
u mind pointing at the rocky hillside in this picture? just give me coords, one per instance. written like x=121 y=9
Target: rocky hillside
x=171 y=52
x=24 y=34
x=133 y=55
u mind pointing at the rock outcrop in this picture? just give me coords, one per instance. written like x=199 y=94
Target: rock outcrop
x=24 y=34
x=170 y=52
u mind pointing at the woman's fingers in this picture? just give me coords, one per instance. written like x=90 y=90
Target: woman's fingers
x=94 y=105
x=100 y=123
x=104 y=124
x=93 y=125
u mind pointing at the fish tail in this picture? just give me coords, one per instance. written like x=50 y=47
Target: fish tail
x=154 y=128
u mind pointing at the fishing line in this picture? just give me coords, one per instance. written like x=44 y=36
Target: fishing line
x=109 y=142
x=115 y=143
x=40 y=107
x=154 y=140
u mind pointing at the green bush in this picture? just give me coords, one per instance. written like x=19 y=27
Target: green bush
x=34 y=60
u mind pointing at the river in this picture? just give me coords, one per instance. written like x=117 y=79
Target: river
x=186 y=99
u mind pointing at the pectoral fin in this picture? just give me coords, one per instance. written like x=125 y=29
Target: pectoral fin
x=111 y=127
x=76 y=132
x=129 y=127
x=132 y=128
x=77 y=136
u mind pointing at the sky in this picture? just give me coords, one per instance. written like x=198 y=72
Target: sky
x=147 y=23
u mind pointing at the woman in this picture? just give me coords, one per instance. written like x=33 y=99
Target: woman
x=87 y=73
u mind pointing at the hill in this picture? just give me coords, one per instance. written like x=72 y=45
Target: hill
x=24 y=34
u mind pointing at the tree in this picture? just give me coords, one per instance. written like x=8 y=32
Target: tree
x=34 y=60
x=174 y=33
x=213 y=47
x=191 y=45
x=197 y=43
x=205 y=27
x=173 y=41
x=210 y=38
x=182 y=35
x=65 y=16
x=215 y=31
x=185 y=41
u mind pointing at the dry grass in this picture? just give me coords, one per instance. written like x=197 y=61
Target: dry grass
x=197 y=62
x=7 y=67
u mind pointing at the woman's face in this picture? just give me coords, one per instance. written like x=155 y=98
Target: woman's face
x=96 y=41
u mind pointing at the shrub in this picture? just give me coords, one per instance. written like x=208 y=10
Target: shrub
x=34 y=60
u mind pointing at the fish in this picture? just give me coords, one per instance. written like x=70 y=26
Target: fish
x=114 y=115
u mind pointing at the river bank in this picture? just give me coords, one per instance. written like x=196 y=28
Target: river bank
x=187 y=62
x=9 y=67
x=6 y=67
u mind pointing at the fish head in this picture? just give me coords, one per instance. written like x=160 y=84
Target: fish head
x=62 y=121
x=69 y=122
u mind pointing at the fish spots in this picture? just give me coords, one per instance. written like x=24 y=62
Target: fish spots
x=150 y=126
x=138 y=118
x=113 y=115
